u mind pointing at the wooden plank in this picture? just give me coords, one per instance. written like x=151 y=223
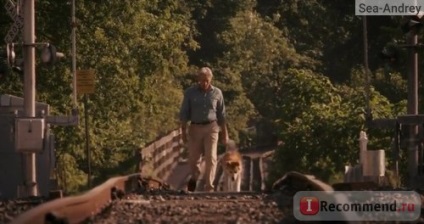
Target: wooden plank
x=301 y=182
x=163 y=165
x=411 y=119
x=162 y=141
x=383 y=123
x=355 y=186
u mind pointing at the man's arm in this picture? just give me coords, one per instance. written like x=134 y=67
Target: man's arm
x=221 y=116
x=224 y=133
x=184 y=132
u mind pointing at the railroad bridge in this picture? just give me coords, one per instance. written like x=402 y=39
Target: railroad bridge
x=164 y=159
x=155 y=193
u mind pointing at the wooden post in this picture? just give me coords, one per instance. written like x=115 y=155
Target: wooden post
x=363 y=149
x=376 y=166
x=363 y=142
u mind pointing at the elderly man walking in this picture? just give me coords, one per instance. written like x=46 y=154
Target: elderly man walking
x=203 y=112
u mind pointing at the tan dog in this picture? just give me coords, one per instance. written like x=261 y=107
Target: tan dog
x=232 y=165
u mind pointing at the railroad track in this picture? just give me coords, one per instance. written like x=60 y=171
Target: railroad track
x=143 y=199
x=257 y=178
x=9 y=209
x=253 y=176
x=135 y=198
x=138 y=199
x=177 y=207
x=247 y=174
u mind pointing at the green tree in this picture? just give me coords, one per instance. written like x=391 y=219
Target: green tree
x=320 y=124
x=139 y=57
x=256 y=51
x=329 y=32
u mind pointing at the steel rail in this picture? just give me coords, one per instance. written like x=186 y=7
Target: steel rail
x=76 y=209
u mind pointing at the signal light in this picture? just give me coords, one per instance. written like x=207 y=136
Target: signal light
x=390 y=53
x=10 y=53
x=412 y=23
x=50 y=55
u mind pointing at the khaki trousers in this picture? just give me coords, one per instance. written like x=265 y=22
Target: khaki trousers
x=203 y=140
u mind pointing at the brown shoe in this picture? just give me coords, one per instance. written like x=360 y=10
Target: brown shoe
x=208 y=189
x=191 y=186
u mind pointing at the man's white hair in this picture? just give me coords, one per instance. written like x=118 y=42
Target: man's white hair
x=205 y=71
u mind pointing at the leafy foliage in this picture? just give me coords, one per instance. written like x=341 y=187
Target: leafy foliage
x=277 y=63
x=321 y=129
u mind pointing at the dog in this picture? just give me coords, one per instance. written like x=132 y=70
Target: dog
x=232 y=166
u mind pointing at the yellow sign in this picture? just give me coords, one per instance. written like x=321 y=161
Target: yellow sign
x=85 y=81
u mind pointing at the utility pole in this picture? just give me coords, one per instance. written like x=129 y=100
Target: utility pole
x=413 y=106
x=74 y=58
x=29 y=129
x=366 y=68
x=29 y=89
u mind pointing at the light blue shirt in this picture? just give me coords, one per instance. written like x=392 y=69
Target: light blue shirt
x=199 y=106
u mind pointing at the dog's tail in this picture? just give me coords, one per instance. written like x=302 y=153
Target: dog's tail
x=231 y=145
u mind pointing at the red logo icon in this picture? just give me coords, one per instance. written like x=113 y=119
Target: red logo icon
x=309 y=205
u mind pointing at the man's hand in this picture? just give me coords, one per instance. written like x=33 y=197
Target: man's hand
x=224 y=141
x=184 y=133
x=184 y=137
x=224 y=135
